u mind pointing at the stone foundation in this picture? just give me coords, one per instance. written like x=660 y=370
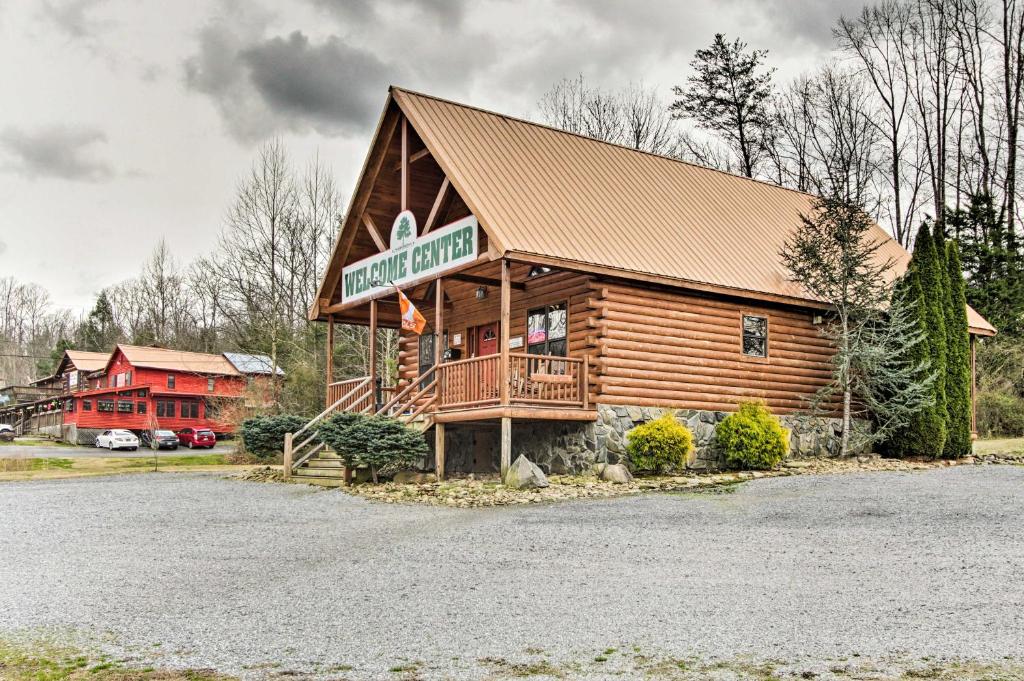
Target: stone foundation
x=561 y=447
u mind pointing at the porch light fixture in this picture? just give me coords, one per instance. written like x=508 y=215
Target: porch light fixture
x=817 y=319
x=481 y=292
x=538 y=270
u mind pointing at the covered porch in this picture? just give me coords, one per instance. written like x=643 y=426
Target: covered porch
x=521 y=364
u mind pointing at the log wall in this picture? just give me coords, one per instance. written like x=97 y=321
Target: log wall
x=673 y=349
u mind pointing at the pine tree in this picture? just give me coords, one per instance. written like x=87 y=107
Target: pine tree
x=925 y=432
x=926 y=264
x=958 y=360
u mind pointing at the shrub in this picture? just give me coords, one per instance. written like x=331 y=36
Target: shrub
x=374 y=441
x=752 y=438
x=264 y=435
x=1000 y=415
x=334 y=433
x=660 y=445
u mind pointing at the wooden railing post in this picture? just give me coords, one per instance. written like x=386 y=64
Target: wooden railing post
x=288 y=456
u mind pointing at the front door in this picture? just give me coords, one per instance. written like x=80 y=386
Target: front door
x=485 y=342
x=486 y=339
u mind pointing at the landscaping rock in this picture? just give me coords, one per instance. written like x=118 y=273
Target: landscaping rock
x=412 y=478
x=616 y=473
x=523 y=474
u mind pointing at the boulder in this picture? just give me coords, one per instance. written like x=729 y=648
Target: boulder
x=616 y=473
x=524 y=474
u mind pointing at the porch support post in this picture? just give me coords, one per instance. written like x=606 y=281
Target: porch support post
x=373 y=354
x=506 y=445
x=330 y=357
x=503 y=367
x=287 y=462
x=438 y=320
x=439 y=451
x=506 y=316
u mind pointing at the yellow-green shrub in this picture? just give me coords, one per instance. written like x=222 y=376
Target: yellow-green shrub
x=752 y=438
x=659 y=445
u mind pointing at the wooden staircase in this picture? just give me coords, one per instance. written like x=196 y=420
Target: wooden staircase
x=309 y=460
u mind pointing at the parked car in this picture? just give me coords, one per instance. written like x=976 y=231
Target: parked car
x=117 y=438
x=5 y=427
x=164 y=439
x=197 y=437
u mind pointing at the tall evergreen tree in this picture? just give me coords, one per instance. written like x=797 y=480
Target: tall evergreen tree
x=928 y=267
x=958 y=359
x=925 y=432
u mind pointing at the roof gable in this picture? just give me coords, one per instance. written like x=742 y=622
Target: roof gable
x=145 y=357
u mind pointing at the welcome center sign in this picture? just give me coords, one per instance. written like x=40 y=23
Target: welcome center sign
x=410 y=258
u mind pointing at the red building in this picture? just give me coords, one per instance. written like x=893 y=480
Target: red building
x=145 y=388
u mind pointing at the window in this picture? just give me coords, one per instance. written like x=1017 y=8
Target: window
x=69 y=406
x=86 y=405
x=105 y=405
x=755 y=336
x=545 y=330
x=142 y=392
x=124 y=407
x=128 y=378
x=170 y=381
x=209 y=385
x=140 y=407
x=189 y=409
x=165 y=408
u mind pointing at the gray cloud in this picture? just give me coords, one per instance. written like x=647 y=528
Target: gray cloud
x=72 y=17
x=442 y=12
x=55 y=152
x=332 y=86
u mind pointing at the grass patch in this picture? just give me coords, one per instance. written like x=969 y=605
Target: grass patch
x=999 y=446
x=34 y=442
x=49 y=662
x=23 y=468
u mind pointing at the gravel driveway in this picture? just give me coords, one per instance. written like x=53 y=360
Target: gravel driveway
x=255 y=579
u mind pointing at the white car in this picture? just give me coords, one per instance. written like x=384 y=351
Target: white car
x=117 y=439
x=6 y=427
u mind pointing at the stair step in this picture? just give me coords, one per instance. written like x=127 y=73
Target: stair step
x=323 y=482
x=325 y=463
x=321 y=472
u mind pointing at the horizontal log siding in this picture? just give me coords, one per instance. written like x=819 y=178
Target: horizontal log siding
x=660 y=348
x=464 y=312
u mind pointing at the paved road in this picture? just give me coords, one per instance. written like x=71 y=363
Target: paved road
x=262 y=578
x=57 y=451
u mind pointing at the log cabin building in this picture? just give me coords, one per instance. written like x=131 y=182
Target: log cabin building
x=573 y=288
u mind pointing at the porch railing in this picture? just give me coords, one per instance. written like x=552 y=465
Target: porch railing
x=547 y=380
x=469 y=382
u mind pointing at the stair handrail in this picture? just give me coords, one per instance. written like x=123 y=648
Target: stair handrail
x=290 y=463
x=405 y=391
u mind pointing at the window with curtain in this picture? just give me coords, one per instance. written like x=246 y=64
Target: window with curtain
x=546 y=330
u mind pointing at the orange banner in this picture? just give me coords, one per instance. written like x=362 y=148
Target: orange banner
x=412 y=320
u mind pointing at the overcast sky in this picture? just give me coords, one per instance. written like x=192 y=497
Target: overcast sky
x=126 y=120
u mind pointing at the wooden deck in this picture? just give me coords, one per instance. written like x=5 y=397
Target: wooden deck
x=539 y=387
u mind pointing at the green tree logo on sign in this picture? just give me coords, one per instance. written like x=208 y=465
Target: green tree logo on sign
x=404 y=229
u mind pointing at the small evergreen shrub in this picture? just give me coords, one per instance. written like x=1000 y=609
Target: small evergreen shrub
x=1000 y=415
x=374 y=441
x=263 y=436
x=660 y=445
x=334 y=433
x=752 y=438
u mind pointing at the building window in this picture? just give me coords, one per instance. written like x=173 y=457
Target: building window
x=165 y=408
x=189 y=409
x=105 y=405
x=69 y=406
x=140 y=407
x=209 y=385
x=170 y=381
x=141 y=392
x=128 y=378
x=755 y=336
x=124 y=407
x=86 y=405
x=546 y=330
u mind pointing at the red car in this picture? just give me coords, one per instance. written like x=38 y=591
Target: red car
x=197 y=437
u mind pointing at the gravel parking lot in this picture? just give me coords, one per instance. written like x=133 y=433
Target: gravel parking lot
x=259 y=579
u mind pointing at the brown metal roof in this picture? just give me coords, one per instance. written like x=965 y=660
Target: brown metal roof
x=178 y=360
x=83 y=360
